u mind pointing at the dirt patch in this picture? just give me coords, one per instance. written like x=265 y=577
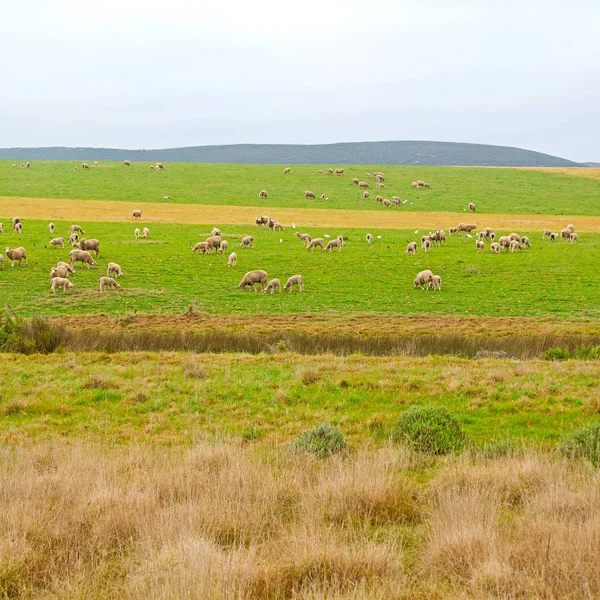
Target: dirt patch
x=196 y=214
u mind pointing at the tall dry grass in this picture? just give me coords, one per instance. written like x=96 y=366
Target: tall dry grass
x=232 y=522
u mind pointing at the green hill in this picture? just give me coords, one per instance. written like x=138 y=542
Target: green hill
x=366 y=153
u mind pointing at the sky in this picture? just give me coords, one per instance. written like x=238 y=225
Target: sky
x=148 y=74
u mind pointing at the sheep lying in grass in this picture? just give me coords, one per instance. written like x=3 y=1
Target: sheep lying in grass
x=223 y=246
x=411 y=249
x=200 y=247
x=232 y=261
x=247 y=242
x=272 y=286
x=16 y=255
x=81 y=256
x=108 y=282
x=253 y=277
x=422 y=279
x=435 y=283
x=315 y=243
x=305 y=237
x=336 y=243
x=114 y=269
x=58 y=242
x=369 y=239
x=294 y=280
x=60 y=282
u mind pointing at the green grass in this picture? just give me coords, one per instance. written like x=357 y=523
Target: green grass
x=492 y=190
x=178 y=398
x=162 y=275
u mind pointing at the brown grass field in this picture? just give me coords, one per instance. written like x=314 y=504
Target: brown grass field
x=94 y=210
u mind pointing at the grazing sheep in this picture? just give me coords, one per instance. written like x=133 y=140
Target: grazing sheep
x=355 y=181
x=114 y=269
x=85 y=166
x=480 y=245
x=73 y=239
x=339 y=171
x=223 y=246
x=258 y=221
x=81 y=256
x=75 y=168
x=27 y=164
x=271 y=223
x=411 y=249
x=322 y=196
x=386 y=202
x=58 y=272
x=379 y=199
x=365 y=195
x=496 y=248
x=263 y=194
x=232 y=260
x=18 y=254
x=15 y=220
x=369 y=239
x=515 y=237
x=380 y=185
x=67 y=266
x=166 y=197
x=264 y=219
x=423 y=238
x=305 y=237
x=19 y=228
x=145 y=232
x=127 y=163
x=471 y=206
x=435 y=283
x=395 y=201
x=329 y=171
x=247 y=242
x=15 y=166
x=571 y=227
x=379 y=178
x=214 y=241
x=466 y=227
x=453 y=230
x=553 y=237
x=422 y=279
x=137 y=214
x=277 y=226
x=565 y=233
x=95 y=163
x=336 y=243
x=546 y=233
x=363 y=185
x=426 y=245
x=60 y=282
x=201 y=247
x=315 y=243
x=294 y=280
x=56 y=242
x=51 y=227
x=287 y=171
x=137 y=233
x=525 y=241
x=320 y=172
x=272 y=286
x=216 y=231
x=108 y=282
x=253 y=277
x=426 y=186
x=574 y=238
x=93 y=245
x=309 y=194
x=414 y=185
x=151 y=168
x=504 y=241
x=159 y=165
x=77 y=229
x=515 y=246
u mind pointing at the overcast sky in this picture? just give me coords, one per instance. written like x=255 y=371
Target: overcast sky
x=158 y=74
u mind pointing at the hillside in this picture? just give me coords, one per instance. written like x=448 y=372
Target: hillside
x=368 y=153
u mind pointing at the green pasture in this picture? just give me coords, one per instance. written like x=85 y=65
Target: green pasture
x=493 y=190
x=163 y=276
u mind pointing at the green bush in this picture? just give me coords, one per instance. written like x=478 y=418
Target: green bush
x=430 y=429
x=322 y=441
x=580 y=353
x=499 y=447
x=583 y=444
x=31 y=336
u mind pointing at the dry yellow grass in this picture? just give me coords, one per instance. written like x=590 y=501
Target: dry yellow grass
x=591 y=173
x=226 y=522
x=108 y=211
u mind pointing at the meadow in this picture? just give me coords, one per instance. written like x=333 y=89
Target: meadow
x=511 y=191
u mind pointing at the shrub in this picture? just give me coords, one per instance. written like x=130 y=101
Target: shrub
x=583 y=444
x=31 y=336
x=322 y=441
x=580 y=353
x=557 y=354
x=430 y=429
x=499 y=447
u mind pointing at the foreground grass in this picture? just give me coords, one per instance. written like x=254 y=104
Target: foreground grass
x=163 y=276
x=492 y=190
x=178 y=398
x=223 y=522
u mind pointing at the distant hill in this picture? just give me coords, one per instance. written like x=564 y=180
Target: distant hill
x=368 y=153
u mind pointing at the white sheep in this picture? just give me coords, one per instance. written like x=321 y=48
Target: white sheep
x=253 y=277
x=553 y=237
x=215 y=231
x=515 y=246
x=305 y=237
x=315 y=243
x=60 y=282
x=435 y=283
x=108 y=282
x=1 y=261
x=51 y=228
x=247 y=242
x=232 y=261
x=426 y=244
x=201 y=247
x=114 y=269
x=525 y=241
x=19 y=228
x=480 y=245
x=137 y=233
x=73 y=239
x=137 y=214
x=81 y=256
x=495 y=248
x=223 y=247
x=76 y=229
x=16 y=255
x=67 y=266
x=574 y=238
x=422 y=279
x=272 y=286
x=145 y=232
x=58 y=272
x=294 y=280
x=369 y=238
x=411 y=249
x=56 y=242
x=336 y=243
x=166 y=197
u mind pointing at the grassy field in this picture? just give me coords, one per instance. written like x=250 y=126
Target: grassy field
x=163 y=276
x=452 y=188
